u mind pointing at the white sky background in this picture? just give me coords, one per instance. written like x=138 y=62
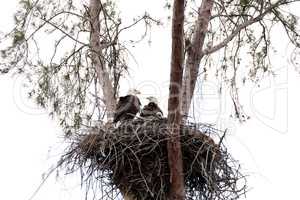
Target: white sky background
x=267 y=145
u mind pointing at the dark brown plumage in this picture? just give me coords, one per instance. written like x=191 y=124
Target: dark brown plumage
x=151 y=110
x=128 y=106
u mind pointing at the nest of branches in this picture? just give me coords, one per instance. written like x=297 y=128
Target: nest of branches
x=133 y=159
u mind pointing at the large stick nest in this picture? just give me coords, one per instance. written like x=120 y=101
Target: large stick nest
x=133 y=159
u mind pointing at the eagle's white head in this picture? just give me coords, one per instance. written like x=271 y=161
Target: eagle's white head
x=134 y=92
x=152 y=99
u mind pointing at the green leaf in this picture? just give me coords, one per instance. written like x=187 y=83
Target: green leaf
x=244 y=3
x=19 y=36
x=26 y=3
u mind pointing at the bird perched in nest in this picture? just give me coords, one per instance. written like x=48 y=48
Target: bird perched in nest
x=151 y=109
x=127 y=107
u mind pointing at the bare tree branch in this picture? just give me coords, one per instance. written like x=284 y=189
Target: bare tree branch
x=237 y=30
x=233 y=23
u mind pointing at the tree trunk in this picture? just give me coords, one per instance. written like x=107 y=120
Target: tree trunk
x=97 y=61
x=174 y=103
x=195 y=54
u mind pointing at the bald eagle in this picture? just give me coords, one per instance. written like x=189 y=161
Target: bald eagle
x=151 y=109
x=128 y=106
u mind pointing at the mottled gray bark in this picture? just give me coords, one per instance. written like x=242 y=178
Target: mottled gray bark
x=97 y=61
x=195 y=54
